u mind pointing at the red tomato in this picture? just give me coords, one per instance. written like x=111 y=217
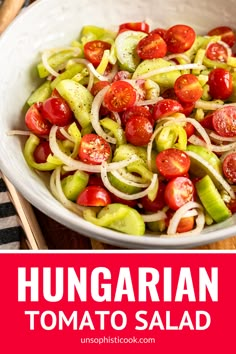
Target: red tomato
x=166 y=107
x=229 y=167
x=217 y=52
x=98 y=86
x=187 y=88
x=57 y=111
x=35 y=121
x=160 y=31
x=226 y=33
x=172 y=163
x=94 y=149
x=158 y=203
x=134 y=26
x=120 y=96
x=130 y=203
x=187 y=107
x=93 y=51
x=42 y=151
x=190 y=129
x=94 y=196
x=138 y=130
x=151 y=47
x=95 y=180
x=224 y=121
x=207 y=122
x=179 y=38
x=178 y=192
x=143 y=111
x=220 y=83
x=185 y=224
x=232 y=206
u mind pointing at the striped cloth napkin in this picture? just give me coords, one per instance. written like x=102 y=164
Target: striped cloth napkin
x=10 y=226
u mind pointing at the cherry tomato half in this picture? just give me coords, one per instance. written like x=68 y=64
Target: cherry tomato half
x=190 y=129
x=138 y=130
x=217 y=52
x=224 y=121
x=187 y=107
x=178 y=192
x=187 y=88
x=94 y=196
x=143 y=111
x=93 y=51
x=207 y=122
x=166 y=107
x=120 y=96
x=172 y=163
x=160 y=31
x=134 y=26
x=179 y=38
x=220 y=83
x=158 y=203
x=151 y=47
x=229 y=167
x=94 y=149
x=226 y=33
x=35 y=122
x=57 y=111
x=185 y=224
x=42 y=151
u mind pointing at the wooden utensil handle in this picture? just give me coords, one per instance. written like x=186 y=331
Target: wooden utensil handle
x=8 y=10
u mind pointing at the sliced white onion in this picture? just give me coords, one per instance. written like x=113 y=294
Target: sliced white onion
x=91 y=81
x=160 y=215
x=117 y=117
x=91 y=68
x=121 y=178
x=130 y=176
x=72 y=164
x=179 y=55
x=180 y=213
x=218 y=137
x=211 y=106
x=48 y=53
x=66 y=135
x=170 y=68
x=148 y=102
x=18 y=132
x=97 y=102
x=225 y=185
x=120 y=194
x=56 y=188
x=193 y=139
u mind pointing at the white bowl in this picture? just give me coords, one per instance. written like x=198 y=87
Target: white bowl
x=49 y=23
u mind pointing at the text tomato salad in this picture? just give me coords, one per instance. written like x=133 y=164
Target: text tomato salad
x=136 y=128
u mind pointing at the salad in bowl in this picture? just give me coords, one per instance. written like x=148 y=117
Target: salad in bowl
x=127 y=129
x=137 y=127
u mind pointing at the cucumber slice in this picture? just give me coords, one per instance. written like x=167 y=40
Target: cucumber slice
x=132 y=223
x=40 y=94
x=122 y=186
x=166 y=80
x=126 y=43
x=73 y=185
x=78 y=98
x=211 y=199
x=210 y=157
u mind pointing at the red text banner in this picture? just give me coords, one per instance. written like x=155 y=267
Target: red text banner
x=117 y=302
